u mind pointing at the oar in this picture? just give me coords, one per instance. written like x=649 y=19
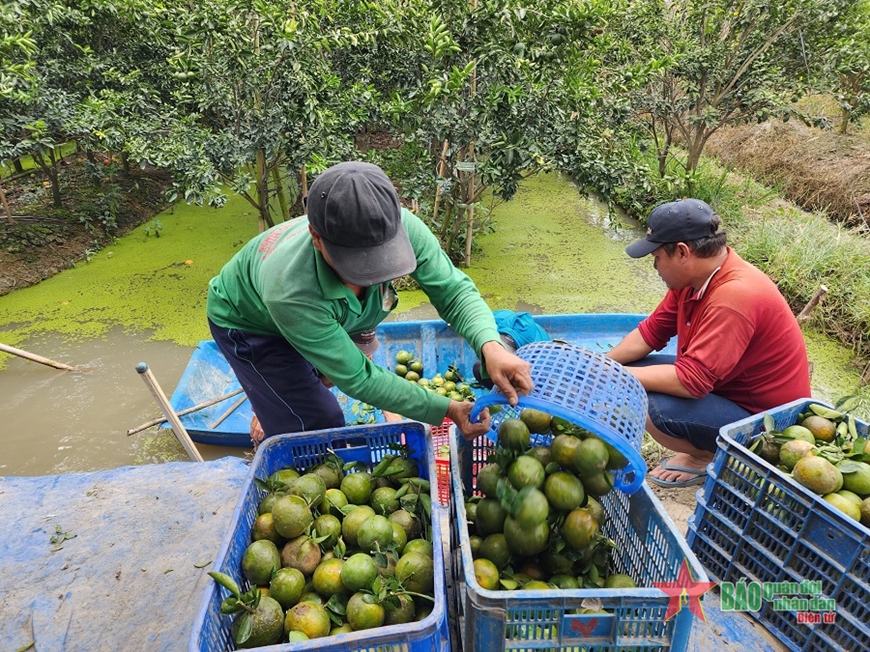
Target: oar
x=195 y=408
x=174 y=421
x=36 y=358
x=214 y=424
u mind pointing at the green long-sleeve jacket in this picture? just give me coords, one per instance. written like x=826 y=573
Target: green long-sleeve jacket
x=279 y=284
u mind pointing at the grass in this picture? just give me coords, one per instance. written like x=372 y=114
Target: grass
x=824 y=105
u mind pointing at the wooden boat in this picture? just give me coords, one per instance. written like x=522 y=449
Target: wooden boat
x=433 y=342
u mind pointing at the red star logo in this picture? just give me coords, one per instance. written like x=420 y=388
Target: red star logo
x=685 y=585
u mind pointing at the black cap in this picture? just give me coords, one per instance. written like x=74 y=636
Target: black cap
x=355 y=209
x=677 y=221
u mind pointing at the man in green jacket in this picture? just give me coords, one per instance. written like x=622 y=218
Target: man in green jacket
x=284 y=309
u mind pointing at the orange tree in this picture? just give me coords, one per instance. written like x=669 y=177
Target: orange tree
x=254 y=96
x=483 y=94
x=846 y=63
x=718 y=63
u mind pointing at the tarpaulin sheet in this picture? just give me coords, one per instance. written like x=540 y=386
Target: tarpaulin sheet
x=133 y=576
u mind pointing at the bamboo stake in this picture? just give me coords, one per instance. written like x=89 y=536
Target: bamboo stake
x=470 y=193
x=214 y=424
x=36 y=358
x=812 y=303
x=163 y=402
x=195 y=408
x=441 y=169
x=304 y=177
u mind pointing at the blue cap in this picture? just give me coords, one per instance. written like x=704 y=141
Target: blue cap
x=676 y=221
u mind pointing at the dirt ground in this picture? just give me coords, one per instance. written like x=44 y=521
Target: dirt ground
x=679 y=503
x=40 y=241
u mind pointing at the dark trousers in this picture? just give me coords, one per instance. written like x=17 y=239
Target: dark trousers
x=697 y=420
x=285 y=391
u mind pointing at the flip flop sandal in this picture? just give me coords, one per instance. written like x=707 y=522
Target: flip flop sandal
x=700 y=476
x=685 y=469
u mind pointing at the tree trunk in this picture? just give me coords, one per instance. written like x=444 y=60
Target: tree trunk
x=280 y=191
x=50 y=170
x=16 y=163
x=6 y=206
x=441 y=166
x=53 y=176
x=125 y=163
x=262 y=181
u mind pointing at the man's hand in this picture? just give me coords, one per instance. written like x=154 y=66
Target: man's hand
x=509 y=373
x=460 y=413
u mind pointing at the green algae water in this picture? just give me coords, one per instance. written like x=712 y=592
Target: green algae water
x=143 y=300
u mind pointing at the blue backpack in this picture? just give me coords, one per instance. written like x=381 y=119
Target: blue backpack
x=520 y=327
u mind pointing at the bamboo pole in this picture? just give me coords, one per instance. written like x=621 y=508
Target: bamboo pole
x=304 y=177
x=214 y=424
x=163 y=402
x=36 y=358
x=195 y=408
x=470 y=192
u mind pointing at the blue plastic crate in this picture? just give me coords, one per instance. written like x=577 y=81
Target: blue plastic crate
x=588 y=389
x=755 y=523
x=367 y=444
x=650 y=549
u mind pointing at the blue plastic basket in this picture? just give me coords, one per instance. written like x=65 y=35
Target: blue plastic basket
x=367 y=444
x=650 y=549
x=588 y=389
x=754 y=523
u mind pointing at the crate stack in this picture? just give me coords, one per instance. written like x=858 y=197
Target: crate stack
x=753 y=523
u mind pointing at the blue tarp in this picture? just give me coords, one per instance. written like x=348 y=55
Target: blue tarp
x=129 y=580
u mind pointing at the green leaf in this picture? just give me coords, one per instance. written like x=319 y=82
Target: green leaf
x=409 y=502
x=848 y=467
x=509 y=583
x=853 y=429
x=337 y=604
x=227 y=582
x=848 y=403
x=230 y=605
x=246 y=628
x=769 y=423
x=824 y=411
x=203 y=564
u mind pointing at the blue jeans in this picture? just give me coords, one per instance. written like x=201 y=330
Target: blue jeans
x=285 y=391
x=696 y=420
